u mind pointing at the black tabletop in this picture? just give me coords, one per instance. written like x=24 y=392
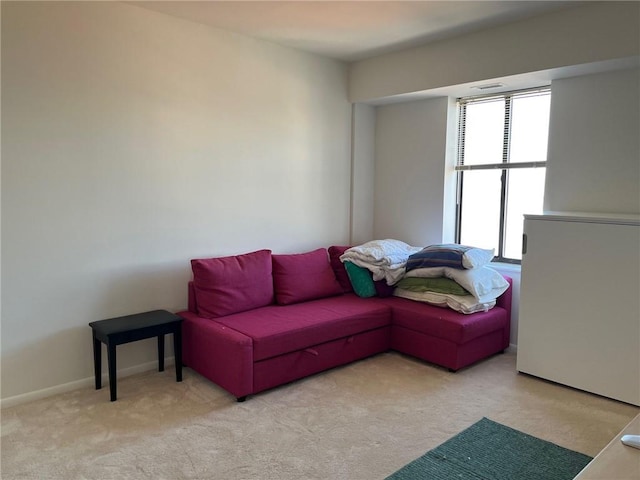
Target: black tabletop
x=134 y=322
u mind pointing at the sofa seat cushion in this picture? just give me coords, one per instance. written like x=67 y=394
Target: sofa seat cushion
x=443 y=322
x=276 y=329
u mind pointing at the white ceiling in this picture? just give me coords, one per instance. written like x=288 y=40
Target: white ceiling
x=353 y=30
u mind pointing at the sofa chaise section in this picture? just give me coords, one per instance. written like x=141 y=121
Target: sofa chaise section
x=446 y=337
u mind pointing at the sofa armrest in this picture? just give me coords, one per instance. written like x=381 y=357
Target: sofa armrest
x=219 y=353
x=504 y=300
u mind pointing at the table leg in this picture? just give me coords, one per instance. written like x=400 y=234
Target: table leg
x=111 y=354
x=97 y=362
x=177 y=349
x=161 y=353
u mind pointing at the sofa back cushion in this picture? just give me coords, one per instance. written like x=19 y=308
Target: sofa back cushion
x=227 y=285
x=335 y=252
x=303 y=276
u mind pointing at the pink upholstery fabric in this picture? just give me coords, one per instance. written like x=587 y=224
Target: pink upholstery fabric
x=335 y=252
x=291 y=366
x=449 y=345
x=218 y=353
x=276 y=330
x=504 y=300
x=443 y=322
x=444 y=352
x=303 y=276
x=382 y=289
x=251 y=351
x=228 y=285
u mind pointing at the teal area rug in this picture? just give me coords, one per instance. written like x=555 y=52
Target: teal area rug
x=490 y=451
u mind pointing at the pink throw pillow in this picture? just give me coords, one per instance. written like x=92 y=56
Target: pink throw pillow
x=335 y=252
x=227 y=285
x=303 y=276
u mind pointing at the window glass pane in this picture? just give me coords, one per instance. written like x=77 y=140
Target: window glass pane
x=529 y=128
x=525 y=191
x=480 y=220
x=484 y=132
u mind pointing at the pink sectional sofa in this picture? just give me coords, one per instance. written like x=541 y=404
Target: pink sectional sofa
x=258 y=320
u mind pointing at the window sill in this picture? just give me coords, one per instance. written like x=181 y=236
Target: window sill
x=506 y=267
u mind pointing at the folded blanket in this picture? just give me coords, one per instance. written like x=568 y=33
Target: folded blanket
x=484 y=283
x=385 y=259
x=466 y=304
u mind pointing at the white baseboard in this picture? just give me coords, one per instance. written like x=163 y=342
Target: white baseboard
x=89 y=381
x=83 y=383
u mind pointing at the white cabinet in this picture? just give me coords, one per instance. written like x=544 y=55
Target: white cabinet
x=579 y=321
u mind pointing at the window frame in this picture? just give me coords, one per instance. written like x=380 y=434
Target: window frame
x=505 y=165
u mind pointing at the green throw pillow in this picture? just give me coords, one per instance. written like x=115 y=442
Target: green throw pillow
x=361 y=280
x=437 y=285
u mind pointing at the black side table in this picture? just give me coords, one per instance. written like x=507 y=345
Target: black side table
x=131 y=328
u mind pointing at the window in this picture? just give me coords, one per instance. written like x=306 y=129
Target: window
x=502 y=153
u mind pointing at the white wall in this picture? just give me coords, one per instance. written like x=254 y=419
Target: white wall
x=593 y=162
x=591 y=32
x=363 y=177
x=133 y=142
x=410 y=155
x=593 y=117
x=594 y=146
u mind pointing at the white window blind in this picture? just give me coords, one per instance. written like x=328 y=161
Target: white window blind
x=501 y=166
x=504 y=161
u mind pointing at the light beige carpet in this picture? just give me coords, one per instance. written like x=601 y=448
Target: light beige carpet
x=361 y=421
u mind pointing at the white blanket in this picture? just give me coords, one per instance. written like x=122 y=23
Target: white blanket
x=385 y=259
